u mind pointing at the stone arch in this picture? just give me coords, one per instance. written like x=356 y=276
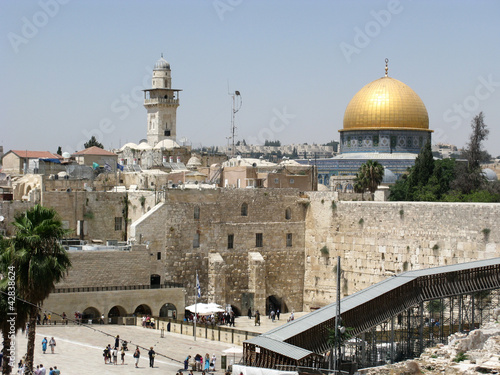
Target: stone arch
x=244 y=209
x=349 y=188
x=288 y=213
x=90 y=314
x=142 y=310
x=339 y=188
x=115 y=312
x=237 y=311
x=168 y=310
x=273 y=303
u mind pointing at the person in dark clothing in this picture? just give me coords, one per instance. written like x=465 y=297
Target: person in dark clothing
x=152 y=355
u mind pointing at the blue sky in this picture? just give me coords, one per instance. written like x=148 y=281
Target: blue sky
x=73 y=68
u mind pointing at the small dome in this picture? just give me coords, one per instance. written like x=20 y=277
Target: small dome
x=193 y=162
x=490 y=174
x=389 y=177
x=162 y=64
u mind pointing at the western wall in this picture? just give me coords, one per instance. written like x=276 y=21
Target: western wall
x=376 y=240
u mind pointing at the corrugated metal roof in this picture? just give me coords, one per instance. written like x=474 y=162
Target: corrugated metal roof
x=288 y=350
x=326 y=313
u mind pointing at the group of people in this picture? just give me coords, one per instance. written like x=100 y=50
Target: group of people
x=222 y=318
x=51 y=343
x=148 y=321
x=151 y=355
x=40 y=370
x=110 y=354
x=200 y=363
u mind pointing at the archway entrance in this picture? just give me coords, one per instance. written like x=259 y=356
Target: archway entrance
x=142 y=310
x=274 y=303
x=168 y=310
x=114 y=313
x=90 y=315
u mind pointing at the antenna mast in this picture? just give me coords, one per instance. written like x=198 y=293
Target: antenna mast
x=236 y=107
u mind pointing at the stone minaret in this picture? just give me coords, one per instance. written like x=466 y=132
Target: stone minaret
x=161 y=102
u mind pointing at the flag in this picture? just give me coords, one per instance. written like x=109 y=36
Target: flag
x=119 y=166
x=198 y=289
x=107 y=167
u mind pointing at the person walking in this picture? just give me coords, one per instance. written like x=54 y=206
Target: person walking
x=207 y=362
x=257 y=317
x=151 y=355
x=44 y=345
x=52 y=344
x=214 y=361
x=115 y=355
x=56 y=371
x=123 y=355
x=137 y=355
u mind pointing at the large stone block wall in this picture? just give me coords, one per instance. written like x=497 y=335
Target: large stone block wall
x=172 y=228
x=108 y=268
x=378 y=239
x=97 y=209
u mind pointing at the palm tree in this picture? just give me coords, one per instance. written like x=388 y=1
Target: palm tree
x=39 y=261
x=369 y=176
x=9 y=305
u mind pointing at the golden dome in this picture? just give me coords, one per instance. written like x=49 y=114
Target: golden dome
x=386 y=103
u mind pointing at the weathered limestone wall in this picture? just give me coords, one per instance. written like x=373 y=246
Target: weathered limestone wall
x=172 y=228
x=377 y=239
x=9 y=210
x=97 y=209
x=127 y=300
x=109 y=268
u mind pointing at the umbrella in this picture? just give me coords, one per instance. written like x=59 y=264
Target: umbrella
x=205 y=308
x=234 y=350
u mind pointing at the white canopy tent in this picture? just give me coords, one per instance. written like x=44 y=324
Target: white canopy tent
x=205 y=308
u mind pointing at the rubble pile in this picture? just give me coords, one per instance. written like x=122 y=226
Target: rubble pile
x=475 y=353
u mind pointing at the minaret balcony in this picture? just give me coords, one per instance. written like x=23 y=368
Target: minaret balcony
x=154 y=101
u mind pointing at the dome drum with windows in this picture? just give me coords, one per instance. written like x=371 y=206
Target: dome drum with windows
x=386 y=115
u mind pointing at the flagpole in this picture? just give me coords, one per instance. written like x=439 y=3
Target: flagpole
x=196 y=291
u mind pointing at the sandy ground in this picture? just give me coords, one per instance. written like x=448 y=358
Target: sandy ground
x=79 y=349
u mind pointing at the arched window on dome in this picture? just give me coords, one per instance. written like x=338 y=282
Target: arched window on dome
x=244 y=209
x=288 y=213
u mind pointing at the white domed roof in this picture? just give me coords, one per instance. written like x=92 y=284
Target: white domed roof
x=162 y=64
x=389 y=177
x=131 y=145
x=490 y=174
x=167 y=143
x=193 y=162
x=143 y=146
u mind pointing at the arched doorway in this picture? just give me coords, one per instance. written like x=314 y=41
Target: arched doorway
x=237 y=311
x=114 y=313
x=90 y=315
x=142 y=310
x=168 y=310
x=274 y=303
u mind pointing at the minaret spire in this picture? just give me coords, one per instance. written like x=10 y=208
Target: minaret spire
x=386 y=66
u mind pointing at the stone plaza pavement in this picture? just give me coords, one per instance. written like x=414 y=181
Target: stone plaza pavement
x=79 y=348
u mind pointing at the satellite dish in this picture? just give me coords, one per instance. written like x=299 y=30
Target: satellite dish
x=2 y=218
x=66 y=155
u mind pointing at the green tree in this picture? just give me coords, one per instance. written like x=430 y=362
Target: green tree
x=59 y=150
x=369 y=176
x=93 y=142
x=8 y=288
x=470 y=178
x=39 y=261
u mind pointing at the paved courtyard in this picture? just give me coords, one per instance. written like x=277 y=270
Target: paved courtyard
x=79 y=349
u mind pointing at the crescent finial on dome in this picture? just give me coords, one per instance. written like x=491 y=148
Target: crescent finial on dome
x=386 y=66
